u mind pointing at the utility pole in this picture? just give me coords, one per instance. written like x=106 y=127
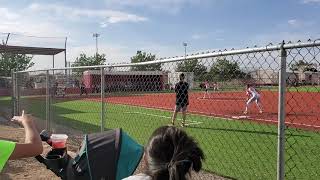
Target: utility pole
x=185 y=50
x=96 y=35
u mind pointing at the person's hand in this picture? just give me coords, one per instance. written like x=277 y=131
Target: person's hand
x=32 y=145
x=24 y=119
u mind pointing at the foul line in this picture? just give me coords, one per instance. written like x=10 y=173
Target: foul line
x=273 y=121
x=155 y=115
x=287 y=123
x=224 y=116
x=219 y=99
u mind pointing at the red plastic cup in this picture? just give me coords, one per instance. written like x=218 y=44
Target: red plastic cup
x=58 y=141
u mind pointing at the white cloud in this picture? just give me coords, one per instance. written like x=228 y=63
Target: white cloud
x=21 y=28
x=103 y=24
x=9 y=15
x=120 y=17
x=104 y=16
x=23 y=21
x=45 y=20
x=310 y=1
x=117 y=53
x=196 y=36
x=298 y=23
x=41 y=20
x=169 y=6
x=113 y=52
x=293 y=22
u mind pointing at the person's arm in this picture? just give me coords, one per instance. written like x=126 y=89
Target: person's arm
x=33 y=144
x=248 y=94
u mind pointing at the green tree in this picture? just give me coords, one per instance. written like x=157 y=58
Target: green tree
x=84 y=60
x=144 y=57
x=303 y=66
x=224 y=70
x=193 y=65
x=15 y=62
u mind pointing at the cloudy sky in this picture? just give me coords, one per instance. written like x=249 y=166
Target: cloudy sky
x=156 y=26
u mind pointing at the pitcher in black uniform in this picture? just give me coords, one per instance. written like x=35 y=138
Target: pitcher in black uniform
x=182 y=99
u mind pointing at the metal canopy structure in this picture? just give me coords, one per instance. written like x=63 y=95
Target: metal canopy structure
x=5 y=48
x=30 y=50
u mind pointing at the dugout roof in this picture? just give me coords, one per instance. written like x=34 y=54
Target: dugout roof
x=30 y=50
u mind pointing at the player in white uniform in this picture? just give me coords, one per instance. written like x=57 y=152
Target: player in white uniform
x=207 y=87
x=215 y=86
x=253 y=96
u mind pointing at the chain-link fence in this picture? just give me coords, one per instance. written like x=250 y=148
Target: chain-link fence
x=276 y=137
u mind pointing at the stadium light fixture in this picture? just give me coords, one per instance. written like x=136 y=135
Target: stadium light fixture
x=185 y=48
x=96 y=35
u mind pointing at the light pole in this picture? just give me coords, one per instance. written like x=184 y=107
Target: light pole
x=96 y=35
x=185 y=50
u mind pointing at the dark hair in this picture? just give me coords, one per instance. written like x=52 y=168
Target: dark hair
x=171 y=153
x=181 y=76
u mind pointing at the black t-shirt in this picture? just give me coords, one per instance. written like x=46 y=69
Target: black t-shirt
x=181 y=90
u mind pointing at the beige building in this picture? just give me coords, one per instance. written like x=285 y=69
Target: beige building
x=265 y=76
x=309 y=77
x=296 y=77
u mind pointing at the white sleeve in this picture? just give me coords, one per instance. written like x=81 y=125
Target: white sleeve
x=138 y=177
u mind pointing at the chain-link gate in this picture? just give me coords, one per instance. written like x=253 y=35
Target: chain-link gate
x=283 y=79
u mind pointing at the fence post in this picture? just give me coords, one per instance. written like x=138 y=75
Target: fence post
x=48 y=109
x=102 y=83
x=18 y=106
x=281 y=114
x=14 y=93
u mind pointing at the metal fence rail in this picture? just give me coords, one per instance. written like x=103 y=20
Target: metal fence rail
x=279 y=143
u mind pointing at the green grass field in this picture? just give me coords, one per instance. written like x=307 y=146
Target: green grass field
x=238 y=149
x=237 y=88
x=294 y=89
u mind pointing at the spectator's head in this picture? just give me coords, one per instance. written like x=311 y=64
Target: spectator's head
x=248 y=86
x=181 y=76
x=171 y=154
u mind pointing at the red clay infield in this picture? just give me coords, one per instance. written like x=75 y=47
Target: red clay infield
x=302 y=108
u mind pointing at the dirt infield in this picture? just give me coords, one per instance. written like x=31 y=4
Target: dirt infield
x=302 y=108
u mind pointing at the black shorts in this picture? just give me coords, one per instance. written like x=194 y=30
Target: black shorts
x=181 y=107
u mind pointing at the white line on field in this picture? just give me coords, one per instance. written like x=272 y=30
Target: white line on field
x=223 y=116
x=287 y=123
x=155 y=115
x=219 y=99
x=193 y=123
